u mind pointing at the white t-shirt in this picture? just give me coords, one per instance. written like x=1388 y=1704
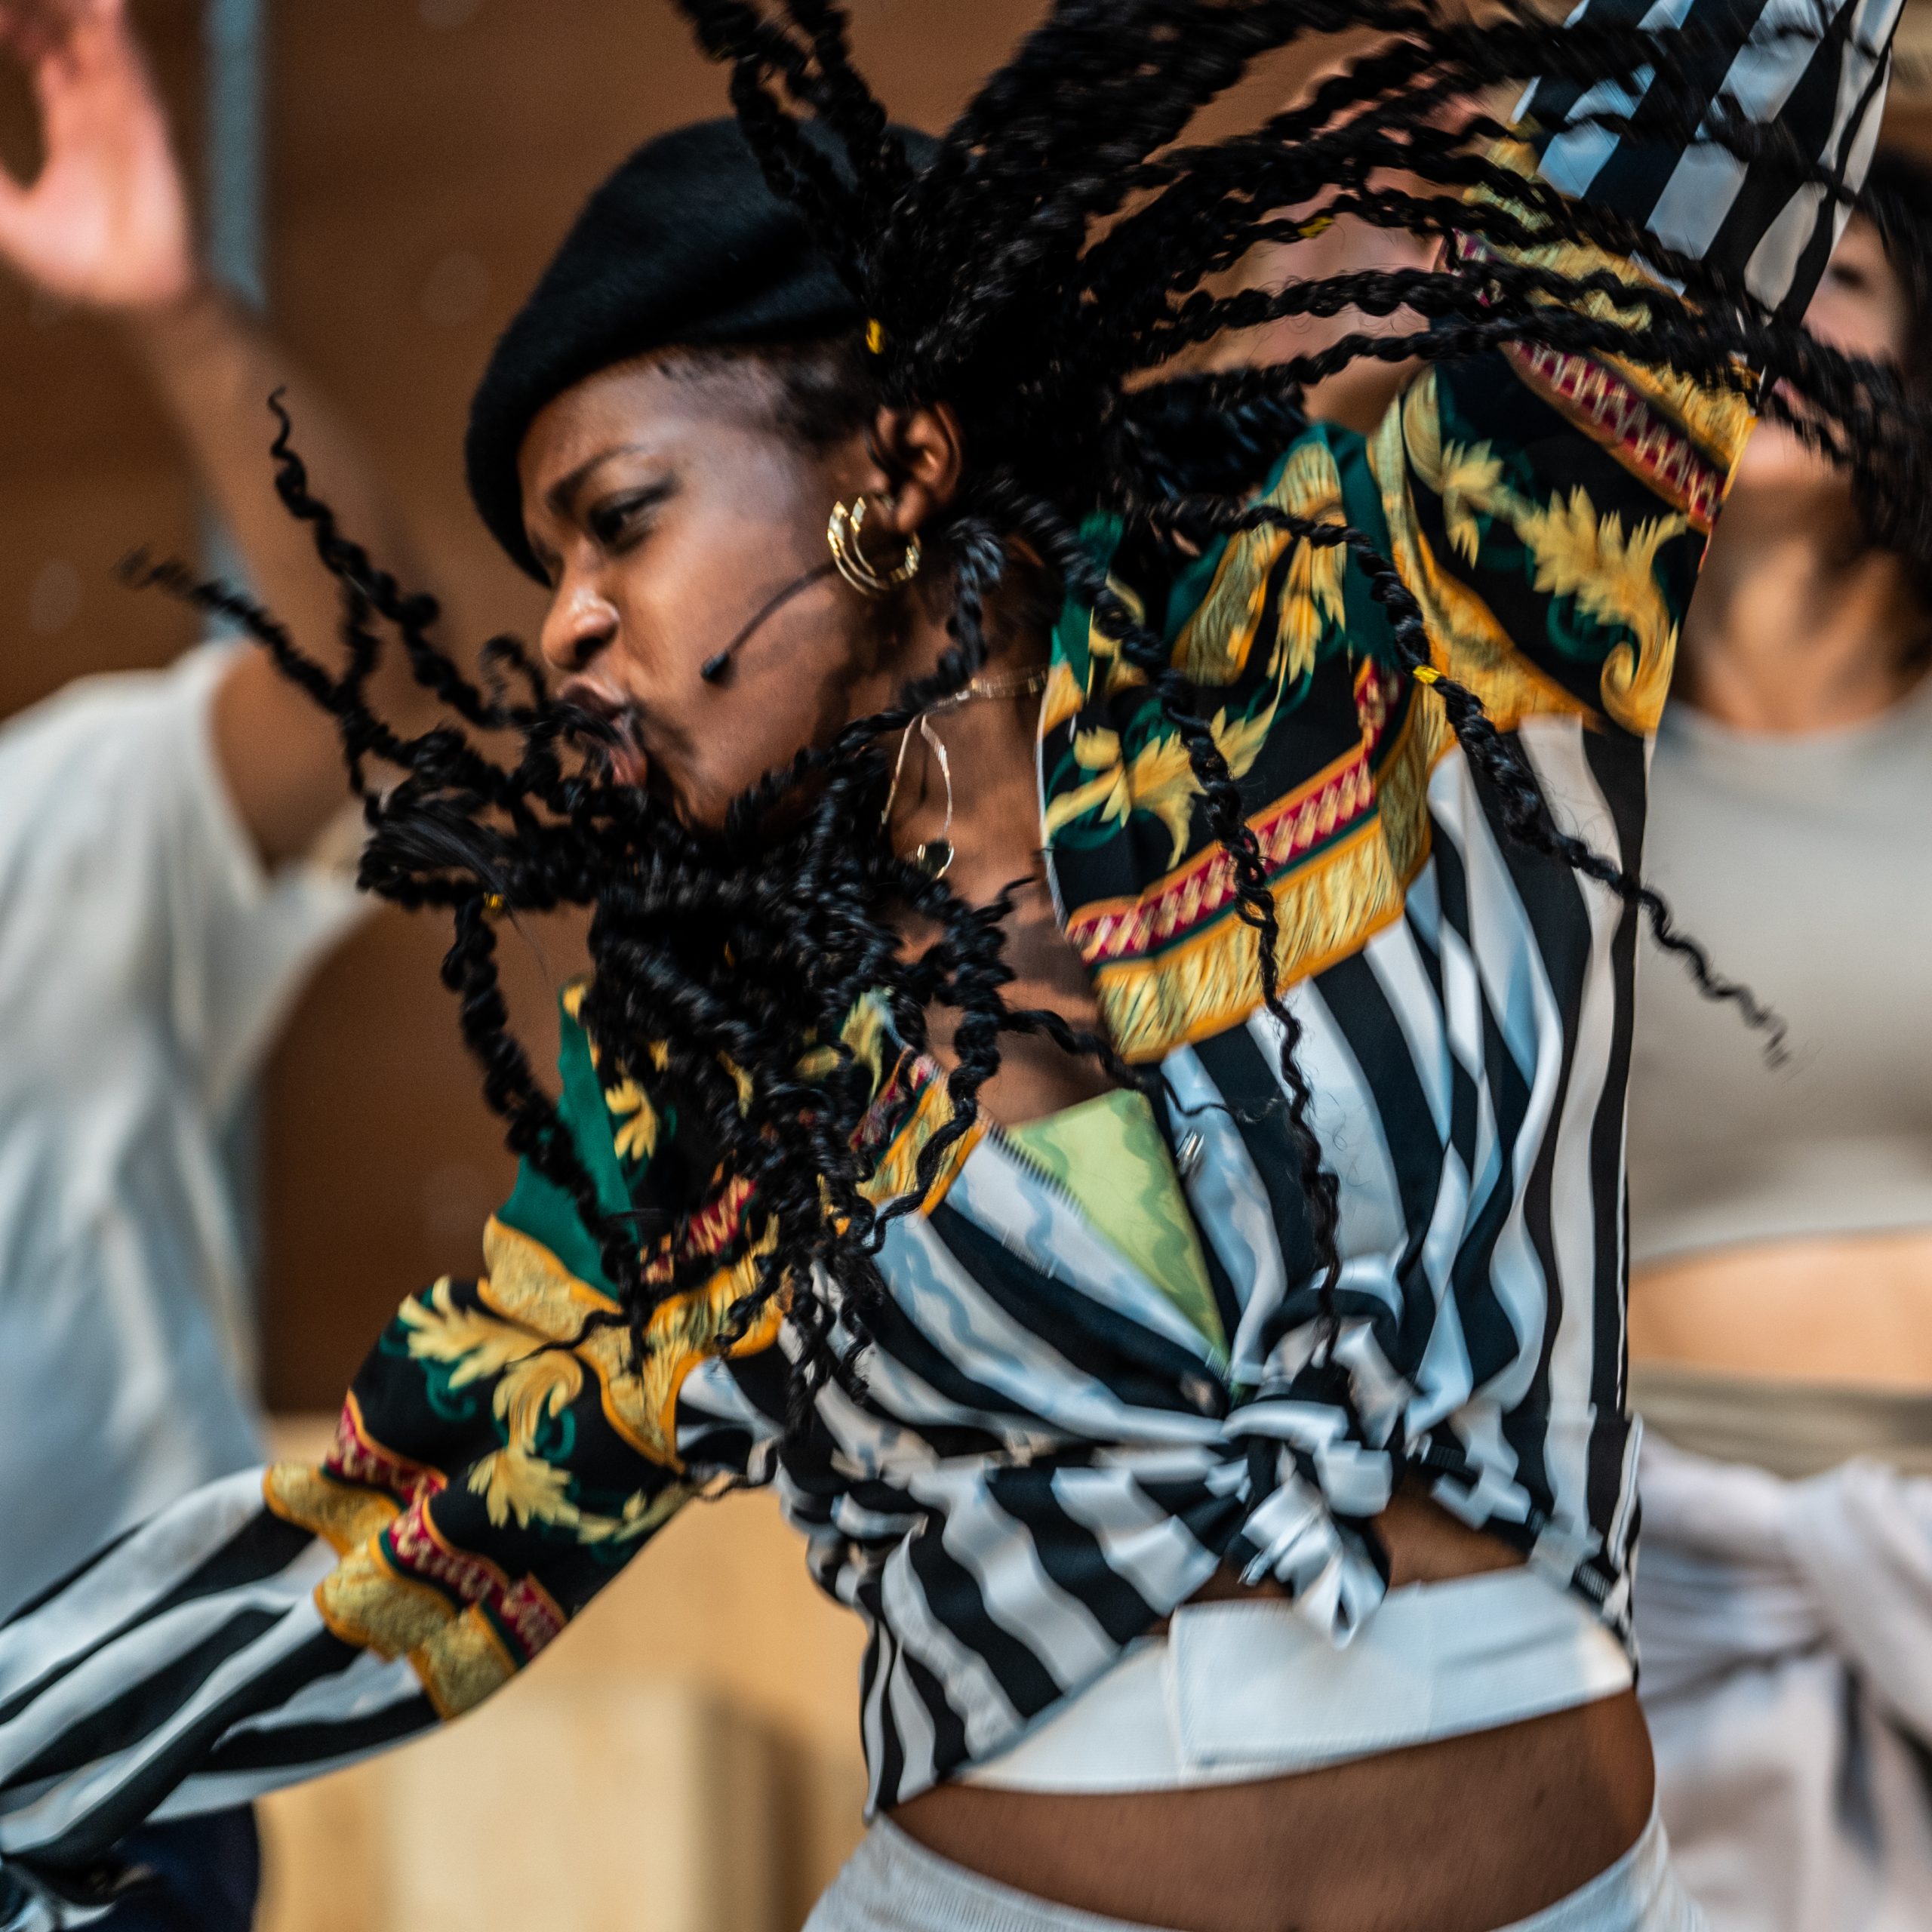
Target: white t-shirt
x=146 y=960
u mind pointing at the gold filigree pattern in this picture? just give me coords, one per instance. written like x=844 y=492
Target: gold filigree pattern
x=637 y=1123
x=534 y=1292
x=1214 y=644
x=456 y=1650
x=343 y=1515
x=1470 y=644
x=898 y=1172
x=1612 y=578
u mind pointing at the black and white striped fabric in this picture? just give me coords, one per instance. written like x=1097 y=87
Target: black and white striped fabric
x=195 y=1641
x=1042 y=1455
x=1816 y=69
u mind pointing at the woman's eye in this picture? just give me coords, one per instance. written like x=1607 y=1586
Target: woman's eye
x=622 y=518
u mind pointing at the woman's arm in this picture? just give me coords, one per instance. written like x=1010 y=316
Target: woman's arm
x=1816 y=70
x=105 y=224
x=1548 y=509
x=500 y=1457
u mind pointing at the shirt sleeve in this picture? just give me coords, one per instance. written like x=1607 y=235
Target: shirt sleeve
x=1549 y=509
x=500 y=1455
x=1815 y=69
x=138 y=888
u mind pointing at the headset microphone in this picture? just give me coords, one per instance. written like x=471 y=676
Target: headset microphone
x=713 y=668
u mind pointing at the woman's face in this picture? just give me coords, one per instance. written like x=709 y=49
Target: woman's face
x=668 y=507
x=1860 y=307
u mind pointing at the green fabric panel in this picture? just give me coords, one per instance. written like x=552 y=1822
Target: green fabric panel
x=1369 y=632
x=1108 y=1154
x=541 y=1209
x=1101 y=535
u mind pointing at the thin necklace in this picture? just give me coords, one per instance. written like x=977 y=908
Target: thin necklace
x=1016 y=683
x=933 y=857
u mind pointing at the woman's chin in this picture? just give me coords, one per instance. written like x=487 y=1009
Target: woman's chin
x=697 y=807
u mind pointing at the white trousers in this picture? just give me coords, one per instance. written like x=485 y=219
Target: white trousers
x=893 y=1884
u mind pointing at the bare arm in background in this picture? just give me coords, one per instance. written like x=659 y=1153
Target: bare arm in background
x=106 y=224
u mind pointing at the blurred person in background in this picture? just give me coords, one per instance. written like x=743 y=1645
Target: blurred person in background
x=1781 y=1232
x=1781 y=1224
x=1356 y=395
x=1244 y=1539
x=160 y=905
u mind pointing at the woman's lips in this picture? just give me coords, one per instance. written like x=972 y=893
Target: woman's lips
x=628 y=765
x=627 y=761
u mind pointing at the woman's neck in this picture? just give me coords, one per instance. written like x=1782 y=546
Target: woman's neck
x=994 y=835
x=984 y=800
x=1799 y=624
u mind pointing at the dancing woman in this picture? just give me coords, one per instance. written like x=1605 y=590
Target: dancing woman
x=1175 y=1280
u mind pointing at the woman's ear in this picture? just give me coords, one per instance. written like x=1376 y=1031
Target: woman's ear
x=918 y=457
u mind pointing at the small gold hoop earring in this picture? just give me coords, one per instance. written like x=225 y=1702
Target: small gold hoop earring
x=841 y=533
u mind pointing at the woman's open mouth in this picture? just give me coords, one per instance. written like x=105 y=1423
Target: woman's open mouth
x=611 y=729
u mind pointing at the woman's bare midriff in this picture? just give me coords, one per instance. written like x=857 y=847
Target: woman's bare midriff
x=1848 y=1309
x=1463 y=1835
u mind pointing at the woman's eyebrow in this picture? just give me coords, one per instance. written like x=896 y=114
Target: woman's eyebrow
x=562 y=493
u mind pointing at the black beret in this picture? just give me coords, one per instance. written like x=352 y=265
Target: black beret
x=685 y=245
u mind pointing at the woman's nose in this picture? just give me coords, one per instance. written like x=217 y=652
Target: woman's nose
x=578 y=625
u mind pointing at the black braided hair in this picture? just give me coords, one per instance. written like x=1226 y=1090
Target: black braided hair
x=1039 y=276
x=1898 y=199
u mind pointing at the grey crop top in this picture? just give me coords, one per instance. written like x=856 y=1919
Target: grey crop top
x=1805 y=864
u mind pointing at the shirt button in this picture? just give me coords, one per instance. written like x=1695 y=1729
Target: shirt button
x=1202 y=1392
x=1188 y=1154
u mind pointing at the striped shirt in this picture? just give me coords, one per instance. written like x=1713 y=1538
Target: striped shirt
x=1041 y=1454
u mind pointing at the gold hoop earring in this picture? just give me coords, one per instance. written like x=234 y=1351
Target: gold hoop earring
x=841 y=533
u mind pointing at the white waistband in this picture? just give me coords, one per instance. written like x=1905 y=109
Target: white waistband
x=894 y=1883
x=1244 y=1690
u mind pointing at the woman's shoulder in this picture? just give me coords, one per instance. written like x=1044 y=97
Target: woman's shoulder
x=1283 y=657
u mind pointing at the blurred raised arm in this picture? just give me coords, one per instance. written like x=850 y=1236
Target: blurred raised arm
x=105 y=224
